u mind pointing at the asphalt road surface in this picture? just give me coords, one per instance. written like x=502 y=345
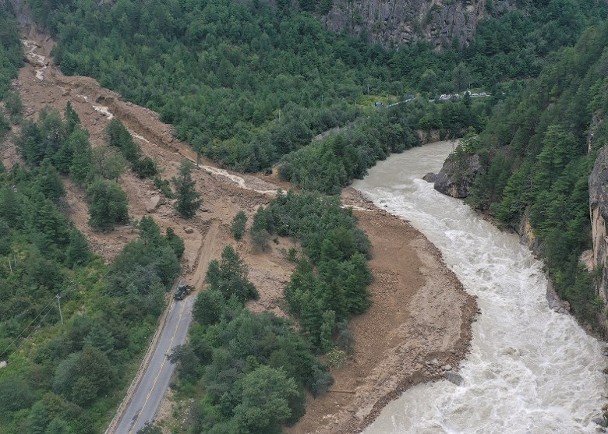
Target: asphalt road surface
x=155 y=380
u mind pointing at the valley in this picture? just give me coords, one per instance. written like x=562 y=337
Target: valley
x=406 y=267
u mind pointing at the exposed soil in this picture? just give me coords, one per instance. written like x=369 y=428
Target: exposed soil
x=419 y=313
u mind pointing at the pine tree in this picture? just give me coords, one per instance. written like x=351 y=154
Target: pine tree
x=49 y=182
x=238 y=225
x=77 y=252
x=188 y=199
x=107 y=205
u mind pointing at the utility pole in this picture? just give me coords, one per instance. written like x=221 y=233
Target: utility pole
x=59 y=304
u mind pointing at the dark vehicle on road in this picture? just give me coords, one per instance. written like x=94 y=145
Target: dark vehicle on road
x=182 y=291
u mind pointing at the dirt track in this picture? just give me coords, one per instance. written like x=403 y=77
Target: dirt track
x=420 y=311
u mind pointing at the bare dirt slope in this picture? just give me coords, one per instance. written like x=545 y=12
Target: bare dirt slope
x=420 y=311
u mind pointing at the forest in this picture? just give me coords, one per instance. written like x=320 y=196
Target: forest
x=247 y=83
x=72 y=328
x=537 y=162
x=254 y=85
x=234 y=357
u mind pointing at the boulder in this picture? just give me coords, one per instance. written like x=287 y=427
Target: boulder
x=601 y=421
x=555 y=303
x=457 y=174
x=153 y=203
x=430 y=177
x=453 y=377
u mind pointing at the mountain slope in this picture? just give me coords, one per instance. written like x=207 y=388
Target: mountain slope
x=538 y=151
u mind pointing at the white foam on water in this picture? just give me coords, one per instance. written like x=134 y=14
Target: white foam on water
x=530 y=370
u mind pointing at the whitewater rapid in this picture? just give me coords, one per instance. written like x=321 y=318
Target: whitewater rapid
x=530 y=370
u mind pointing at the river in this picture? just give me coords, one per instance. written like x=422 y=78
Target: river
x=530 y=370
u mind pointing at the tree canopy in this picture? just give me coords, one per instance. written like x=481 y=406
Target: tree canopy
x=537 y=161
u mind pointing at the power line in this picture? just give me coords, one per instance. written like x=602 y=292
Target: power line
x=46 y=309
x=25 y=338
x=59 y=305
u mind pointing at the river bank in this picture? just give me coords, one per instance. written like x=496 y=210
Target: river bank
x=417 y=329
x=530 y=369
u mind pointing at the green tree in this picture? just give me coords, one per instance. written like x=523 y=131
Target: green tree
x=327 y=330
x=176 y=243
x=149 y=232
x=15 y=394
x=265 y=416
x=4 y=126
x=59 y=426
x=209 y=307
x=461 y=77
x=144 y=167
x=186 y=361
x=81 y=163
x=13 y=104
x=49 y=182
x=118 y=135
x=100 y=338
x=38 y=419
x=229 y=276
x=107 y=205
x=188 y=199
x=77 y=252
x=108 y=163
x=11 y=207
x=238 y=225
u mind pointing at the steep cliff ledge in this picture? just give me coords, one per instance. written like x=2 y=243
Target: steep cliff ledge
x=395 y=22
x=598 y=208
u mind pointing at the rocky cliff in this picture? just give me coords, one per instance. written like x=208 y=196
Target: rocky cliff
x=457 y=174
x=598 y=207
x=395 y=22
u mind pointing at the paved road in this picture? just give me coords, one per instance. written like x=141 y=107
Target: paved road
x=145 y=400
x=155 y=380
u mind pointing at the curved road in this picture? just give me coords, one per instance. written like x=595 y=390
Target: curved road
x=141 y=405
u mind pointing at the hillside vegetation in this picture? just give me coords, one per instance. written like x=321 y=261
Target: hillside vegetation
x=71 y=328
x=246 y=83
x=67 y=368
x=537 y=161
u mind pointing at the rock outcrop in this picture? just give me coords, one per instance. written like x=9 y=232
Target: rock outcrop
x=598 y=204
x=457 y=175
x=396 y=22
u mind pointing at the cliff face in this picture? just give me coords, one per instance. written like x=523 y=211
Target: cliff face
x=598 y=204
x=395 y=22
